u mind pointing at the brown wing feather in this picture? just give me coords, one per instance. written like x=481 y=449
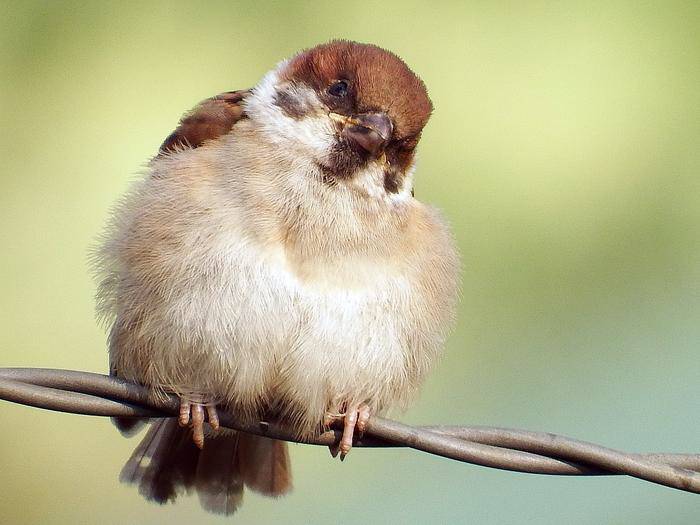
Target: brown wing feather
x=212 y=118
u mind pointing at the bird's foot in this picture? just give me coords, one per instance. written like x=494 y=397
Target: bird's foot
x=354 y=418
x=192 y=415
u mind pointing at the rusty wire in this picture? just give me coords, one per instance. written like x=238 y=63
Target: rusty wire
x=501 y=448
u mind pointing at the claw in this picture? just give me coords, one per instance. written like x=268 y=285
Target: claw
x=192 y=414
x=213 y=417
x=356 y=417
x=363 y=415
x=348 y=432
x=198 y=425
x=184 y=417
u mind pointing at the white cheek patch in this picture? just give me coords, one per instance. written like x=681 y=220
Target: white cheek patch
x=370 y=182
x=303 y=126
x=407 y=188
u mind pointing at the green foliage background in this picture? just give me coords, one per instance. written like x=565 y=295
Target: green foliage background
x=564 y=150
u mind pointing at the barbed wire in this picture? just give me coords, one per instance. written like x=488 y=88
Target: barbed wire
x=502 y=448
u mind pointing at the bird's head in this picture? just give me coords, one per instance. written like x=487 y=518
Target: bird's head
x=355 y=109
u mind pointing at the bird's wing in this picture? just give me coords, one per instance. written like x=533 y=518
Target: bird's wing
x=212 y=118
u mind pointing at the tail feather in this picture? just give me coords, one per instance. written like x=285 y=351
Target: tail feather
x=265 y=465
x=219 y=482
x=128 y=426
x=141 y=456
x=164 y=463
x=167 y=463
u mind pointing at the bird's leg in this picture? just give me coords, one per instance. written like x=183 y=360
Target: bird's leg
x=192 y=414
x=213 y=417
x=354 y=418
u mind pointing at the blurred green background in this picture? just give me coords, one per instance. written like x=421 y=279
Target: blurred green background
x=563 y=149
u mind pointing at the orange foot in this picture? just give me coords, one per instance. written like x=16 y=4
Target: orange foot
x=192 y=414
x=354 y=418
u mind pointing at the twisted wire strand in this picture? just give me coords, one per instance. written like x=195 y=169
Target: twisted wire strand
x=502 y=448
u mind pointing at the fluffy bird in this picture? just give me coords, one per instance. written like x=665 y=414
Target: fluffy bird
x=274 y=262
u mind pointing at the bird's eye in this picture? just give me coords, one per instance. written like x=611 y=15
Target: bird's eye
x=338 y=89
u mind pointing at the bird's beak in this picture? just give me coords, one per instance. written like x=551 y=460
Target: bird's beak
x=370 y=131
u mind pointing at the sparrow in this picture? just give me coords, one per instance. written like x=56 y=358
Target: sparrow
x=274 y=262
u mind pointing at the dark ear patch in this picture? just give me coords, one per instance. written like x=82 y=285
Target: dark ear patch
x=211 y=119
x=289 y=104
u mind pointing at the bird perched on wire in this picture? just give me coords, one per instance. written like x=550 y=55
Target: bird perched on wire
x=274 y=262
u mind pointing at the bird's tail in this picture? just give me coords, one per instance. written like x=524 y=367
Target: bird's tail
x=167 y=463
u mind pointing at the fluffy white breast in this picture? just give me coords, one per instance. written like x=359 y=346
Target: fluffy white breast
x=235 y=272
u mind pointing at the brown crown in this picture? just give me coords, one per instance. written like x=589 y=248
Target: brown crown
x=378 y=81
